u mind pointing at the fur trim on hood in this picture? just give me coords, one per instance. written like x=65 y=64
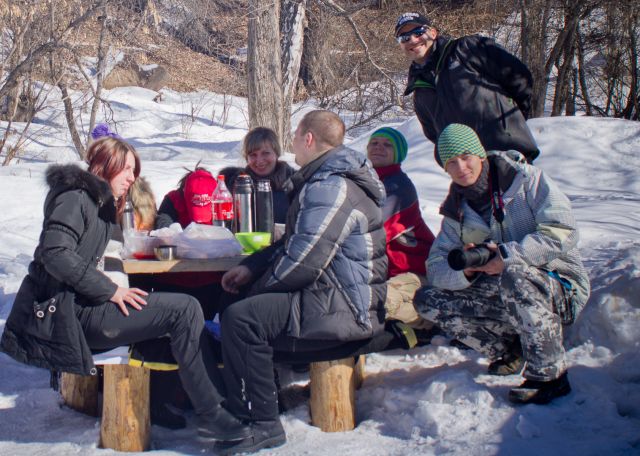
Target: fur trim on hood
x=61 y=178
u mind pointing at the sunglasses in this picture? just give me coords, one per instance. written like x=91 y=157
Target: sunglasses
x=406 y=36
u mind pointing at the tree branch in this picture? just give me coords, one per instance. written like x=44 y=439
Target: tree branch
x=342 y=12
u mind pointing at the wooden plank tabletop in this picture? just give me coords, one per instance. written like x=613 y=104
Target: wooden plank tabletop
x=181 y=265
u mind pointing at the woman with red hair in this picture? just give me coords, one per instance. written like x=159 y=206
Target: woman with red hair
x=75 y=297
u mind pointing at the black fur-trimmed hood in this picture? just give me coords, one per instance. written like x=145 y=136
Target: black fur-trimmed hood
x=61 y=178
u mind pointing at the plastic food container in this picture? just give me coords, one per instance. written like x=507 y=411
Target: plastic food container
x=139 y=245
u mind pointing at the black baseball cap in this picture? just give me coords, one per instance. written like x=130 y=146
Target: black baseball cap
x=411 y=18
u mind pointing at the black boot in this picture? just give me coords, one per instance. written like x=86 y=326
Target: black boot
x=292 y=396
x=511 y=362
x=161 y=415
x=536 y=392
x=221 y=425
x=264 y=434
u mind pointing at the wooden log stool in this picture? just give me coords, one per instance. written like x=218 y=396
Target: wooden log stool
x=80 y=392
x=126 y=423
x=333 y=400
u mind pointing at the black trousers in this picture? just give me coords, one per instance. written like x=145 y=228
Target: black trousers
x=252 y=329
x=178 y=316
x=207 y=295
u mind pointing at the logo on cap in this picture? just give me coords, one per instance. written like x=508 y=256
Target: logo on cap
x=200 y=199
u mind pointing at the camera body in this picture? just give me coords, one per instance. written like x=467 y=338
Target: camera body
x=479 y=255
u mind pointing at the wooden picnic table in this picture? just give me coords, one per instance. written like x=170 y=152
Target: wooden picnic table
x=181 y=265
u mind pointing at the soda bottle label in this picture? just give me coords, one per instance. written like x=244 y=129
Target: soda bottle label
x=223 y=210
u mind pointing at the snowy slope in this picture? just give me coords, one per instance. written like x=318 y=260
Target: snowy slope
x=432 y=400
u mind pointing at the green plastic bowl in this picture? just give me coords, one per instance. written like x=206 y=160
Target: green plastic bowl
x=252 y=242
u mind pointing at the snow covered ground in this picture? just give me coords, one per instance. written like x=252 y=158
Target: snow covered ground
x=433 y=400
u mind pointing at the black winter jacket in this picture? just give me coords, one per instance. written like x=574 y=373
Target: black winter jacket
x=332 y=259
x=42 y=328
x=474 y=81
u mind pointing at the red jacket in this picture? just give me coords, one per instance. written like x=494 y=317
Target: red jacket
x=408 y=237
x=180 y=206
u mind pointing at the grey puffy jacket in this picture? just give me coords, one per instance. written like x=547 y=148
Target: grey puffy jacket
x=332 y=261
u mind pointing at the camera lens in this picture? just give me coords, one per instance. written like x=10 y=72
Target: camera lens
x=460 y=259
x=456 y=259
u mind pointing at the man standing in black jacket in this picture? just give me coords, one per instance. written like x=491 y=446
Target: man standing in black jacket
x=470 y=80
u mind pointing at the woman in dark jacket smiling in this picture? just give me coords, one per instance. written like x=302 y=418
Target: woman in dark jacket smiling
x=261 y=150
x=68 y=305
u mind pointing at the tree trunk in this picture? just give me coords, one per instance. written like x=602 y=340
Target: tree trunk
x=582 y=74
x=534 y=16
x=565 y=69
x=632 y=108
x=71 y=123
x=10 y=151
x=292 y=21
x=573 y=91
x=102 y=64
x=264 y=67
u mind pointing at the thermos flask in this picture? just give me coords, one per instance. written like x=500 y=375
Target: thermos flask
x=264 y=207
x=243 y=203
x=128 y=220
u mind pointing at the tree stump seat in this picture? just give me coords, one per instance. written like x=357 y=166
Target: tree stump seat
x=335 y=375
x=125 y=423
x=332 y=405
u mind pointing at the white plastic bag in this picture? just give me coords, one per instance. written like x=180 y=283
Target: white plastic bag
x=200 y=241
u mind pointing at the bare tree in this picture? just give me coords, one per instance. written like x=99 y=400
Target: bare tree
x=582 y=72
x=264 y=66
x=273 y=63
x=101 y=66
x=631 y=26
x=292 y=22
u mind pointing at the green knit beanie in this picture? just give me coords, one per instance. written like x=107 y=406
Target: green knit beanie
x=458 y=139
x=397 y=140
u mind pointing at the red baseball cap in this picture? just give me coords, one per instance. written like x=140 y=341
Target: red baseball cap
x=198 y=189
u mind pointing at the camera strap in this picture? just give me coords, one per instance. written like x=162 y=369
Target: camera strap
x=497 y=203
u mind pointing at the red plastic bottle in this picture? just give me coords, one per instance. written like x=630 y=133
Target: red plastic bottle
x=222 y=205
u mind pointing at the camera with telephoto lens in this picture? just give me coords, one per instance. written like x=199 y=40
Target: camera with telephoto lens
x=479 y=255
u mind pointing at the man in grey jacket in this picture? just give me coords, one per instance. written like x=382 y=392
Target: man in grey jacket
x=505 y=273
x=322 y=285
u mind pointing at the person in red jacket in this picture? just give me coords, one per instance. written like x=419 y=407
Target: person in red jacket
x=190 y=202
x=408 y=237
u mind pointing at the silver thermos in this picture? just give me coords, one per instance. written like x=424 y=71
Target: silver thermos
x=128 y=219
x=243 y=203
